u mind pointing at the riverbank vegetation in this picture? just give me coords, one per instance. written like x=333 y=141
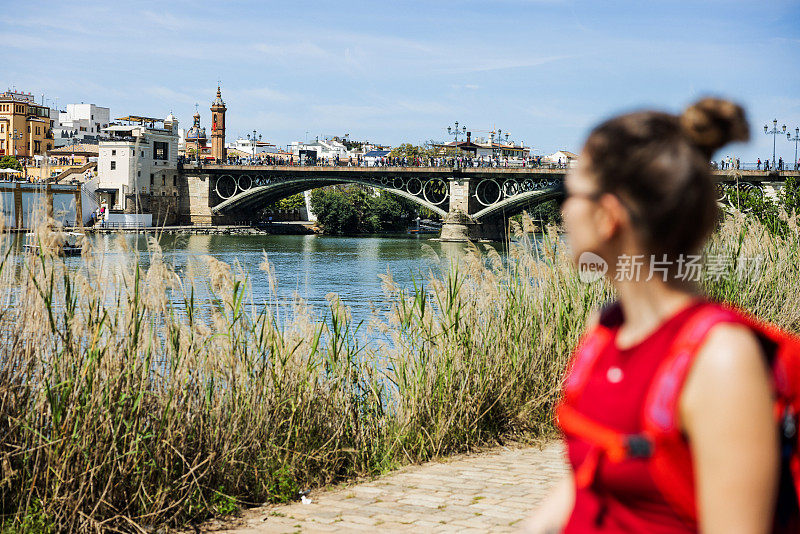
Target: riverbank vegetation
x=127 y=401
x=353 y=209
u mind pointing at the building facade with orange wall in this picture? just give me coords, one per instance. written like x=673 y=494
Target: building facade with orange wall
x=25 y=126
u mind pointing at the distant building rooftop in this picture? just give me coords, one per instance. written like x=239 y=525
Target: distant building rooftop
x=18 y=96
x=137 y=118
x=377 y=153
x=80 y=148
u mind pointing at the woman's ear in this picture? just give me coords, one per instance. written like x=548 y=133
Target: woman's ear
x=611 y=216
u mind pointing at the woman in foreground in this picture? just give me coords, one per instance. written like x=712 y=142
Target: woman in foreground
x=642 y=199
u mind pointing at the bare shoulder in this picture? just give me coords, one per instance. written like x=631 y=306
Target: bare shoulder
x=730 y=366
x=729 y=350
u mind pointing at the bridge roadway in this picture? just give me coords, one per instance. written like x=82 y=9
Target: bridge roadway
x=473 y=202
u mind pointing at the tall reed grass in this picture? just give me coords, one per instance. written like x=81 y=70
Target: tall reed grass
x=120 y=409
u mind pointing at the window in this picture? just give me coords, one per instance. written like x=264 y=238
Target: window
x=113 y=152
x=163 y=180
x=113 y=165
x=160 y=150
x=139 y=174
x=152 y=179
x=142 y=153
x=174 y=180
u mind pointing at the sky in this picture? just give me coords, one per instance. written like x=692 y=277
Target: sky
x=545 y=71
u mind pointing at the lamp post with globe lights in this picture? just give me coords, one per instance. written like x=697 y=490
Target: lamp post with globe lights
x=256 y=137
x=455 y=131
x=796 y=138
x=774 y=132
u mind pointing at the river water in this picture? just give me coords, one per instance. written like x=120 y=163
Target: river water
x=310 y=265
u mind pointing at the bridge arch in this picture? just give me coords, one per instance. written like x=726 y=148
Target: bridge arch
x=517 y=203
x=271 y=192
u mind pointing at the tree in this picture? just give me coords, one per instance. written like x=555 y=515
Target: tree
x=336 y=211
x=405 y=150
x=10 y=162
x=355 y=209
x=410 y=151
x=294 y=202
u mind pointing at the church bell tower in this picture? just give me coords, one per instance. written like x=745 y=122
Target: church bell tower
x=218 y=128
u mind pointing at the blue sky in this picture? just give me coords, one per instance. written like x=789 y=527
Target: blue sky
x=391 y=72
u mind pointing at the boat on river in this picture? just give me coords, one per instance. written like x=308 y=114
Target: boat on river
x=65 y=243
x=425 y=226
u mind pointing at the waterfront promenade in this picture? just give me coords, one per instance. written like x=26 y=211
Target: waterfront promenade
x=493 y=491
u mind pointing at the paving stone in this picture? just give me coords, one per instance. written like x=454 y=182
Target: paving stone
x=487 y=492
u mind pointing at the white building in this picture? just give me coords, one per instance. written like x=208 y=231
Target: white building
x=488 y=149
x=564 y=157
x=250 y=146
x=326 y=148
x=83 y=121
x=139 y=157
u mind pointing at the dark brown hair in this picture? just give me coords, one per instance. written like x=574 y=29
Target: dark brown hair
x=658 y=164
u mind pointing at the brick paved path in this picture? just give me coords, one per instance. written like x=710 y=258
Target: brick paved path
x=487 y=492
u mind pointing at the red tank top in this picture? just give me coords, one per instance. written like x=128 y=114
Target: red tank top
x=623 y=496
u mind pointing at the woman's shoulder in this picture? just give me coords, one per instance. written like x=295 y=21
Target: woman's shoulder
x=728 y=365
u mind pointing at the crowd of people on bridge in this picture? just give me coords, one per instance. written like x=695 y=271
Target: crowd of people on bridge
x=462 y=161
x=780 y=166
x=397 y=161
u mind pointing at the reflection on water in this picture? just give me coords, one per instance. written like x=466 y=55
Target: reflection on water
x=310 y=265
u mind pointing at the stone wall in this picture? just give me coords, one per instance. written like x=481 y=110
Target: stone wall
x=193 y=192
x=164 y=208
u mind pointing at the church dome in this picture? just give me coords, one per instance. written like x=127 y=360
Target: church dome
x=170 y=118
x=196 y=133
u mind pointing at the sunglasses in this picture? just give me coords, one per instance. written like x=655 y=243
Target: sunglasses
x=562 y=194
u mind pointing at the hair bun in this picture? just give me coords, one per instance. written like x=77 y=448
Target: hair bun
x=712 y=123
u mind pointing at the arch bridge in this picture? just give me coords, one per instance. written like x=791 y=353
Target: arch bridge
x=474 y=203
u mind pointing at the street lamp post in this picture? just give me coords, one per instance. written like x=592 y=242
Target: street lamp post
x=255 y=139
x=14 y=138
x=774 y=132
x=499 y=133
x=796 y=138
x=455 y=131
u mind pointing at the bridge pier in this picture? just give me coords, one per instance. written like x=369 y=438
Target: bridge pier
x=458 y=225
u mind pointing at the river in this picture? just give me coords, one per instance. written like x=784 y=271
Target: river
x=310 y=265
